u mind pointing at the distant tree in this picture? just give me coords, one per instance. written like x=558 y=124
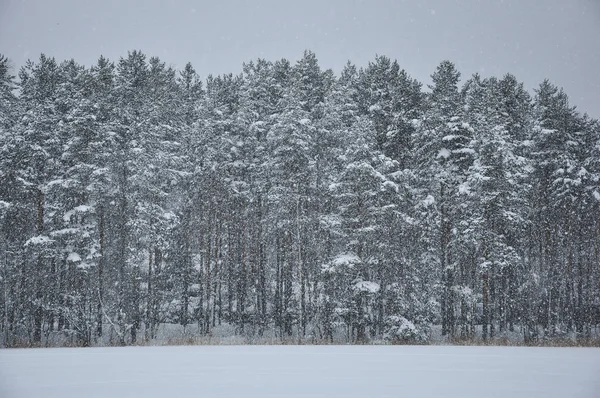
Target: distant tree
x=444 y=155
x=291 y=201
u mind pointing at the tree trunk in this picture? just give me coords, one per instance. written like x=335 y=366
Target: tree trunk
x=99 y=304
x=150 y=299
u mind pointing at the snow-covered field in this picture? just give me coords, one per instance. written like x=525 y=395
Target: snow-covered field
x=301 y=371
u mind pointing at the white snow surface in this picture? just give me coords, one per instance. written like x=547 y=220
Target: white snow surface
x=301 y=371
x=346 y=259
x=443 y=153
x=428 y=201
x=367 y=287
x=78 y=209
x=38 y=240
x=73 y=257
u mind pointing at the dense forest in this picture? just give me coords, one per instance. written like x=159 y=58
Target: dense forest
x=293 y=202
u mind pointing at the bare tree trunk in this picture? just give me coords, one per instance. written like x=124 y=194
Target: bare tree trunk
x=208 y=277
x=135 y=303
x=486 y=310
x=39 y=309
x=278 y=285
x=100 y=275
x=150 y=299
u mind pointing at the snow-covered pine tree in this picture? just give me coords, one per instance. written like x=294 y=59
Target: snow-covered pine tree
x=443 y=156
x=556 y=141
x=10 y=199
x=392 y=100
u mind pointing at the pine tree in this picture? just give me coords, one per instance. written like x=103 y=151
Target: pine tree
x=444 y=156
x=10 y=199
x=554 y=139
x=289 y=200
x=392 y=100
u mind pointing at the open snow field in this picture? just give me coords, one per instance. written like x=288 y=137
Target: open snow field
x=301 y=371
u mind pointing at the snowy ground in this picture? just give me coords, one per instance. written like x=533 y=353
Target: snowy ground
x=301 y=371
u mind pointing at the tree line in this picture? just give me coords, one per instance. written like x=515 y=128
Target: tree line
x=290 y=201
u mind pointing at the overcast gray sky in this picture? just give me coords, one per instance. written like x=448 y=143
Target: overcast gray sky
x=533 y=39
